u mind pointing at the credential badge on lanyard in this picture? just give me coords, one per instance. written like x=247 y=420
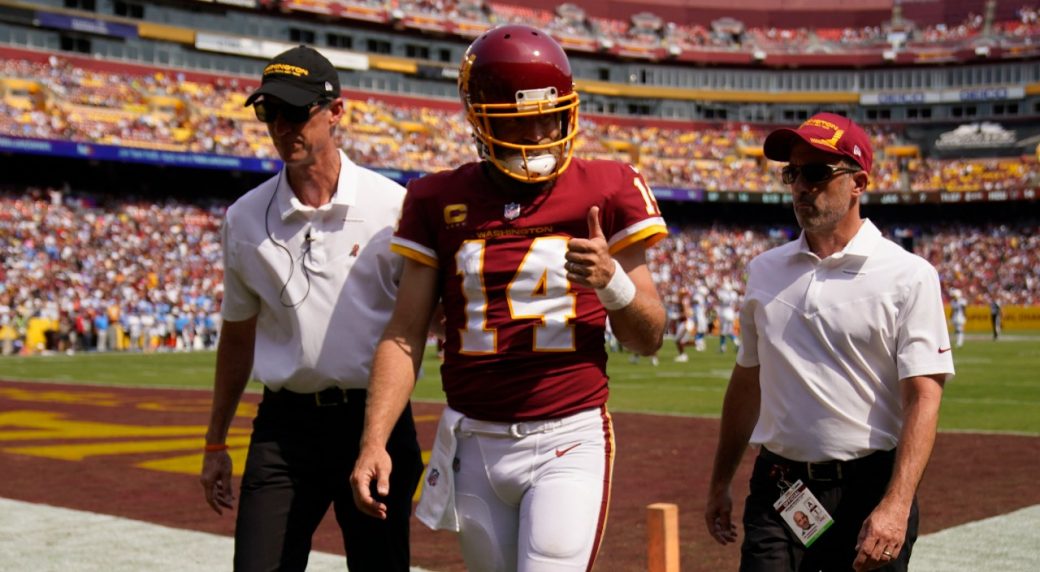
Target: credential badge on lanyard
x=802 y=511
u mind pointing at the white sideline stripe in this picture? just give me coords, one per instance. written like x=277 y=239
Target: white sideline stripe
x=50 y=539
x=1008 y=543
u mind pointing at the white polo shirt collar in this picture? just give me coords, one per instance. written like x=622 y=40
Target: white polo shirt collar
x=344 y=197
x=862 y=244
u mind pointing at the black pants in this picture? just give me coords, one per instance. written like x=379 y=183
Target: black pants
x=300 y=459
x=770 y=546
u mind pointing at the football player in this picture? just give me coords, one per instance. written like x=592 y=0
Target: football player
x=958 y=314
x=695 y=324
x=686 y=330
x=727 y=300
x=530 y=250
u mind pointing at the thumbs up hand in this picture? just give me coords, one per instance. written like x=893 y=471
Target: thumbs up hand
x=595 y=230
x=588 y=259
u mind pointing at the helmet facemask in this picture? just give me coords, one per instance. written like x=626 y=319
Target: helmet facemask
x=527 y=162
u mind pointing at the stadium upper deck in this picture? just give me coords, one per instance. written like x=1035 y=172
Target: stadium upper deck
x=692 y=141
x=962 y=69
x=770 y=32
x=52 y=100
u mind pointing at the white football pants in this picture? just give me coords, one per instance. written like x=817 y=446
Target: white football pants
x=533 y=496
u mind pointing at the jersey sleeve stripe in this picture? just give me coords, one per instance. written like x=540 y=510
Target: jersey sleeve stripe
x=651 y=230
x=416 y=252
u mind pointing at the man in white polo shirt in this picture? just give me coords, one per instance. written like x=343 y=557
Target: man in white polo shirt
x=309 y=284
x=839 y=377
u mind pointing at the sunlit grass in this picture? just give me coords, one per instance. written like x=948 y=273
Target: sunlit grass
x=997 y=387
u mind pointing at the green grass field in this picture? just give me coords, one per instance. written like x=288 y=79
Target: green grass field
x=997 y=387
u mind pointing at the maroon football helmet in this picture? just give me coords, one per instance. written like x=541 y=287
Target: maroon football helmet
x=517 y=71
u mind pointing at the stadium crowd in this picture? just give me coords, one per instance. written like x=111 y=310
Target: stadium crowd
x=96 y=273
x=647 y=31
x=99 y=273
x=58 y=99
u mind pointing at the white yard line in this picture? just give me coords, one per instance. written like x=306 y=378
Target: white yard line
x=1008 y=543
x=49 y=539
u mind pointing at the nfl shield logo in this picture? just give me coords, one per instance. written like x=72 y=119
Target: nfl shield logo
x=512 y=211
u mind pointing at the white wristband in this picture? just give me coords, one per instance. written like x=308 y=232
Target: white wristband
x=619 y=292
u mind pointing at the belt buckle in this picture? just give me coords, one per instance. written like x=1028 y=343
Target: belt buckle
x=830 y=471
x=335 y=397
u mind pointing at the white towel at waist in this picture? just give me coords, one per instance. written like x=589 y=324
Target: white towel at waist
x=436 y=507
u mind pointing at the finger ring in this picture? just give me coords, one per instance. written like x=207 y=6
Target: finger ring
x=887 y=553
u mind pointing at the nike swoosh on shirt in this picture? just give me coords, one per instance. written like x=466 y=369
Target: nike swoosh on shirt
x=944 y=350
x=562 y=452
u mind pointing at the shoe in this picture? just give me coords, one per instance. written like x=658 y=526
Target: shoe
x=633 y=359
x=654 y=361
x=682 y=358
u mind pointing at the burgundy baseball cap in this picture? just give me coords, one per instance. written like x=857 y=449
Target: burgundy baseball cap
x=827 y=132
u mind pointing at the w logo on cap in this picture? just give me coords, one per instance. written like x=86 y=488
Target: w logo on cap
x=827 y=132
x=833 y=141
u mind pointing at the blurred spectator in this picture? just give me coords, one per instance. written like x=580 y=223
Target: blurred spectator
x=975 y=259
x=163 y=110
x=83 y=263
x=149 y=273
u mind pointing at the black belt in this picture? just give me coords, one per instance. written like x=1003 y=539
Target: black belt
x=328 y=397
x=831 y=470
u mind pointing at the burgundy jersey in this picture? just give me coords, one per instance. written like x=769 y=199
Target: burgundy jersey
x=522 y=342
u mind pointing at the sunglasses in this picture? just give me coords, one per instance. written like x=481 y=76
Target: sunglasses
x=813 y=173
x=268 y=112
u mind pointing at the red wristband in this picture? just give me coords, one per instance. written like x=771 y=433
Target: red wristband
x=214 y=447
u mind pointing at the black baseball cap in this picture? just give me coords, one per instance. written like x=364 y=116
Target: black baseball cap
x=299 y=77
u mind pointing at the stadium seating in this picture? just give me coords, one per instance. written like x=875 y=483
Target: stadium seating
x=153 y=269
x=161 y=110
x=149 y=273
x=647 y=36
x=977 y=259
x=69 y=258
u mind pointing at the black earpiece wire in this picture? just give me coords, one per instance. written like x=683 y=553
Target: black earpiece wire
x=292 y=260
